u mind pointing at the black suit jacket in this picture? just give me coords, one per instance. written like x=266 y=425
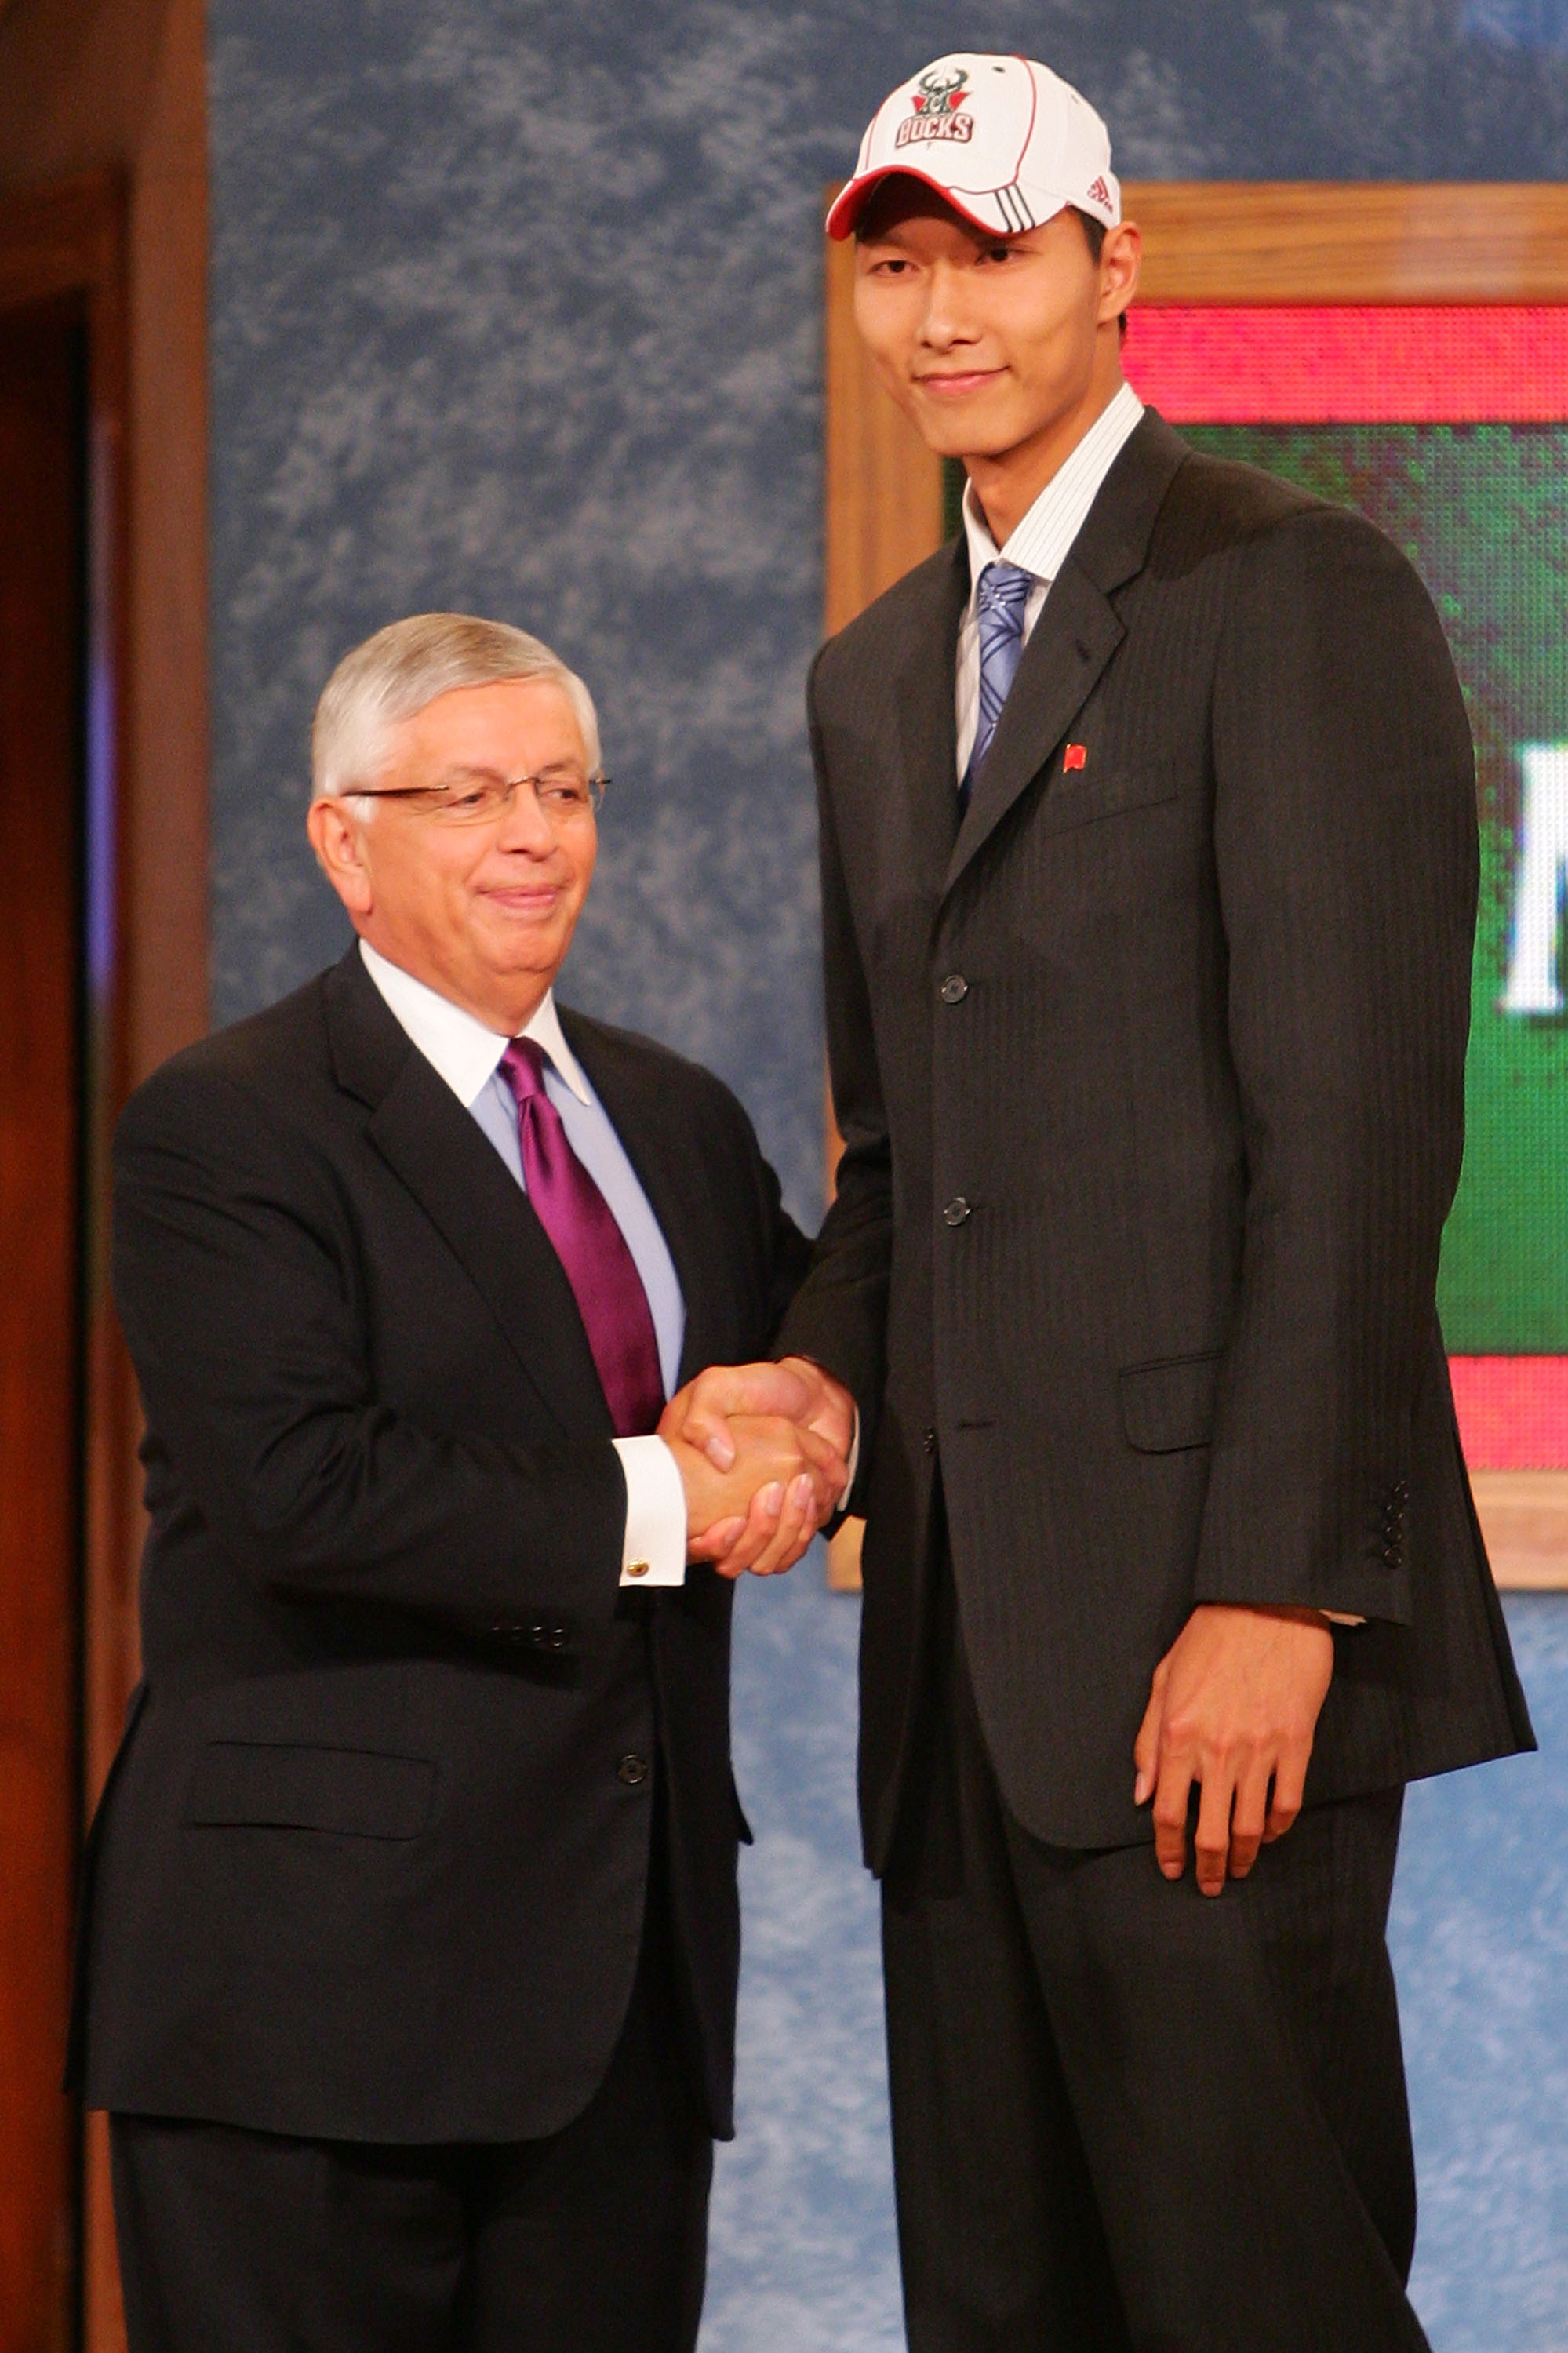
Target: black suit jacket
x=1150 y=1076
x=367 y=1867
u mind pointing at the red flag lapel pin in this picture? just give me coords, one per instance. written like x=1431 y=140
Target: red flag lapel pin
x=1076 y=756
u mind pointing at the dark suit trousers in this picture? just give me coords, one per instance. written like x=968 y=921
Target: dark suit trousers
x=1128 y=2118
x=234 y=2241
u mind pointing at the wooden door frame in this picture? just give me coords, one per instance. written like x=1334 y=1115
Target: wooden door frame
x=146 y=909
x=1215 y=241
x=68 y=242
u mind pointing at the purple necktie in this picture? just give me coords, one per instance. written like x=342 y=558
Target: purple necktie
x=591 y=1247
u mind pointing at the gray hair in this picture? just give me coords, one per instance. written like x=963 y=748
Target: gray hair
x=406 y=666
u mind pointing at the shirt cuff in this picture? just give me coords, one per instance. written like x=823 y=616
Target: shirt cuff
x=853 y=1463
x=653 y=1548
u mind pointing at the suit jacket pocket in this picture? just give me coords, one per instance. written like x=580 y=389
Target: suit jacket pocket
x=1170 y=1405
x=276 y=1785
x=1080 y=797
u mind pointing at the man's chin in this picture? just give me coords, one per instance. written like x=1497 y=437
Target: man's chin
x=961 y=430
x=521 y=937
x=511 y=946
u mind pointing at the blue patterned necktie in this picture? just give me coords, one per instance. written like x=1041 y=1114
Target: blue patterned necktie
x=1000 y=600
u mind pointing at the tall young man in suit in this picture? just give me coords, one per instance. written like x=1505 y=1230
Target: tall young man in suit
x=411 y=1933
x=1149 y=873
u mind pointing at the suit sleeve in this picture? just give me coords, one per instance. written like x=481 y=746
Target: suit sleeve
x=839 y=1318
x=787 y=1252
x=240 y=1290
x=1345 y=838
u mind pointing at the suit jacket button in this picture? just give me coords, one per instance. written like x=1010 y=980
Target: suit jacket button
x=632 y=1771
x=558 y=1638
x=929 y=1441
x=957 y=1210
x=955 y=988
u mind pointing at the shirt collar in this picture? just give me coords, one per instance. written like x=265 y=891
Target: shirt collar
x=1041 y=540
x=457 y=1046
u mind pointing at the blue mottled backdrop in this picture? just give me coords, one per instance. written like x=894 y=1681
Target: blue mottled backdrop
x=515 y=309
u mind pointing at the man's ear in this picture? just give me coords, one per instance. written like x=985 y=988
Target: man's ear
x=338 y=842
x=1121 y=257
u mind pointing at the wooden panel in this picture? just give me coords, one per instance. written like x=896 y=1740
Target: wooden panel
x=843 y=1558
x=1524 y=1519
x=58 y=240
x=42 y=470
x=1374 y=241
x=115 y=96
x=164 y=903
x=884 y=487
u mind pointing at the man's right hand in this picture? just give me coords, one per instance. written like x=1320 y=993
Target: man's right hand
x=782 y=1479
x=707 y=1414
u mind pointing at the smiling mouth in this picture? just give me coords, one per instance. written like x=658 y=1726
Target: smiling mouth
x=526 y=898
x=951 y=385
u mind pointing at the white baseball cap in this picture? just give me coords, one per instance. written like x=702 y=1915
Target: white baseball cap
x=1007 y=143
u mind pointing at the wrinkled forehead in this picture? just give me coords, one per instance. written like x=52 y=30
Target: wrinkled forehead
x=507 y=724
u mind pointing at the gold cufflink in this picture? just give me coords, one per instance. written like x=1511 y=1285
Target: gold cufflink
x=636 y=1568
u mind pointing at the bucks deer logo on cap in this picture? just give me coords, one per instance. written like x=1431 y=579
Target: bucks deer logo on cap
x=935 y=100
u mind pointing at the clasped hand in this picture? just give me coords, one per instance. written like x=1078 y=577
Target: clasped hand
x=763 y=1453
x=764 y=1450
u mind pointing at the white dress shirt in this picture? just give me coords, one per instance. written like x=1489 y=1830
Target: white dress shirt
x=1040 y=544
x=467 y=1055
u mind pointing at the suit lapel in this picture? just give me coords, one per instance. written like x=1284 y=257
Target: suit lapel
x=1075 y=635
x=927 y=735
x=1077 y=632
x=627 y=1083
x=439 y=1153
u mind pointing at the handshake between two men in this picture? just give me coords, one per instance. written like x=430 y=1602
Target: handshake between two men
x=764 y=1452
x=412 y=1900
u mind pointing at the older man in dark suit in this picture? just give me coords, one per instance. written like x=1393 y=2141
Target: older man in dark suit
x=1148 y=873
x=410 y=1938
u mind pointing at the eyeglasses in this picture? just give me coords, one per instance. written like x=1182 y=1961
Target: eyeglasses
x=565 y=796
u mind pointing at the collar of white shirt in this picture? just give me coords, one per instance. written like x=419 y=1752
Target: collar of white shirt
x=461 y=1048
x=1041 y=540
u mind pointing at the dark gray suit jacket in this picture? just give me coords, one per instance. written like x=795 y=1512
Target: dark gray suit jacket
x=369 y=1867
x=1151 y=1079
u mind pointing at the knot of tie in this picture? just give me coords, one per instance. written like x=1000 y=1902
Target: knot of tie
x=523 y=1063
x=1004 y=591
x=1002 y=600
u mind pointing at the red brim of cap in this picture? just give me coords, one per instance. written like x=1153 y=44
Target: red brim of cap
x=851 y=200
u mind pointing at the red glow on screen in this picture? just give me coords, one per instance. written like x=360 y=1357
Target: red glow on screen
x=1513 y=1411
x=1352 y=364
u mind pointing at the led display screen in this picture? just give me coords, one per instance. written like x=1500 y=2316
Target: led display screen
x=1448 y=428
x=1482 y=513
